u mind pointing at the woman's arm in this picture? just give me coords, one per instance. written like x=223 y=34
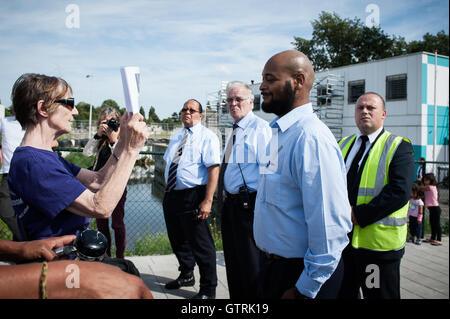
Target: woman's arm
x=105 y=187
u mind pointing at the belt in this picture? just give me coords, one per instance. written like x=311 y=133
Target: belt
x=273 y=256
x=237 y=197
x=232 y=196
x=182 y=191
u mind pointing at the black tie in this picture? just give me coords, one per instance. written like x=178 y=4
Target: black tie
x=353 y=171
x=223 y=167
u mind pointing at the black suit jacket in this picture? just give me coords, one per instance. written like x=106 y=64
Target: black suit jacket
x=395 y=194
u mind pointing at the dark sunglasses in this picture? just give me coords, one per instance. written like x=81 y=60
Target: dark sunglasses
x=69 y=102
x=192 y=111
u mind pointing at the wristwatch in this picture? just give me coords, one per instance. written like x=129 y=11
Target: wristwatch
x=299 y=295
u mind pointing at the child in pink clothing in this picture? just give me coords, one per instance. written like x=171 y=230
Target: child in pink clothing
x=415 y=213
x=432 y=203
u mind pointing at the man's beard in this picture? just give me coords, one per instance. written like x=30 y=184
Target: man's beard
x=283 y=105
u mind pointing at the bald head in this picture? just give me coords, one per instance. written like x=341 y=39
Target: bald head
x=294 y=63
x=288 y=78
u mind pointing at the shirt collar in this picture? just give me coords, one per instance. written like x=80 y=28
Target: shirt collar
x=373 y=136
x=195 y=128
x=245 y=121
x=287 y=120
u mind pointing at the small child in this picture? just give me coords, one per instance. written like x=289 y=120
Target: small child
x=429 y=187
x=415 y=213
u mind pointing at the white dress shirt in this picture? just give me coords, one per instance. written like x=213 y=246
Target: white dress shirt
x=202 y=150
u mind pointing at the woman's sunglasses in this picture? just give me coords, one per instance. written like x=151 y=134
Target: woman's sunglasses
x=69 y=102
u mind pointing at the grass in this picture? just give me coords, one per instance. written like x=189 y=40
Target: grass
x=80 y=160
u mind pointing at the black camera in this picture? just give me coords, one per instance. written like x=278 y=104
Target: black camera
x=90 y=245
x=113 y=124
x=244 y=196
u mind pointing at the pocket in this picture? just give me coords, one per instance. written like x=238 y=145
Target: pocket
x=272 y=188
x=193 y=152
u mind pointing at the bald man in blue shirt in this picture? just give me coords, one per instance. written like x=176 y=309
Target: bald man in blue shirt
x=302 y=213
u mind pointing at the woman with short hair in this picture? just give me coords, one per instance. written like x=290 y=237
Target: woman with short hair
x=52 y=197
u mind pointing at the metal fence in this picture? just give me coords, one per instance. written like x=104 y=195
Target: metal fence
x=144 y=219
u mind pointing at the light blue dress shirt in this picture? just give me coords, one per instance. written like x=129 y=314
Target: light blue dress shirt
x=302 y=208
x=202 y=150
x=252 y=136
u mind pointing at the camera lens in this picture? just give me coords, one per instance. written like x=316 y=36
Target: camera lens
x=113 y=124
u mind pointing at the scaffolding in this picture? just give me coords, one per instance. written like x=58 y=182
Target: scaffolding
x=327 y=98
x=218 y=103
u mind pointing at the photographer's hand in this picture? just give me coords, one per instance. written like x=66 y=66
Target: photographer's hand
x=32 y=250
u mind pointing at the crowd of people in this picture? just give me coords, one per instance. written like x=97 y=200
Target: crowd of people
x=302 y=215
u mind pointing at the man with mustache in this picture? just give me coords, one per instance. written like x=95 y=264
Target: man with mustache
x=380 y=173
x=302 y=214
x=192 y=171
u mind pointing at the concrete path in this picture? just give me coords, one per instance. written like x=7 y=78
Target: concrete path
x=424 y=273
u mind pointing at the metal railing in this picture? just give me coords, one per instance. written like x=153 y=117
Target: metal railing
x=144 y=219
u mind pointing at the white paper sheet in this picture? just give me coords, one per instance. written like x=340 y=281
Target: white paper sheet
x=131 y=87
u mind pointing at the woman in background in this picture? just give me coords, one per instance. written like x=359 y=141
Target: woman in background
x=102 y=146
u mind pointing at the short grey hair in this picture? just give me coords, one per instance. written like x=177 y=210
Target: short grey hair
x=235 y=84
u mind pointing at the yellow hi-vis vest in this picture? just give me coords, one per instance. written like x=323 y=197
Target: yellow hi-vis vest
x=390 y=232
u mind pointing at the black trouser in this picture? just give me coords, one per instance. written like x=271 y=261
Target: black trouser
x=242 y=257
x=189 y=237
x=280 y=274
x=414 y=227
x=377 y=273
x=435 y=222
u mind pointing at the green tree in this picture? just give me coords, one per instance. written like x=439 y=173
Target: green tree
x=429 y=43
x=83 y=111
x=142 y=111
x=336 y=42
x=110 y=102
x=152 y=116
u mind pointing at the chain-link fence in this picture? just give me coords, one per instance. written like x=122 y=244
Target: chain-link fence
x=144 y=220
x=146 y=232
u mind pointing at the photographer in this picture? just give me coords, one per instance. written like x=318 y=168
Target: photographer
x=52 y=197
x=102 y=145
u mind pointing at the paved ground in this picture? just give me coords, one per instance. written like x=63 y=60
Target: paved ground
x=424 y=273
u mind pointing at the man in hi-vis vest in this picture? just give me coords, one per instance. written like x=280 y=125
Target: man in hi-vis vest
x=380 y=174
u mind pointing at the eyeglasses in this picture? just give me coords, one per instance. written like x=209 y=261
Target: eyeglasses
x=69 y=102
x=192 y=111
x=237 y=99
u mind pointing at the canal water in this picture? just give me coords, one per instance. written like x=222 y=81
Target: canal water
x=143 y=214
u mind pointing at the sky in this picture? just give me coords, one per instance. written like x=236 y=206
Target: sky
x=184 y=49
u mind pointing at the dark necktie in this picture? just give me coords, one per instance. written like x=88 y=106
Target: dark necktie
x=223 y=167
x=172 y=177
x=353 y=171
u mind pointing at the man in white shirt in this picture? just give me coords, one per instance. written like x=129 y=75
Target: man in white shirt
x=192 y=157
x=12 y=134
x=239 y=175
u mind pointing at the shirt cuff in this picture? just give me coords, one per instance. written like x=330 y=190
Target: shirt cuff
x=307 y=286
